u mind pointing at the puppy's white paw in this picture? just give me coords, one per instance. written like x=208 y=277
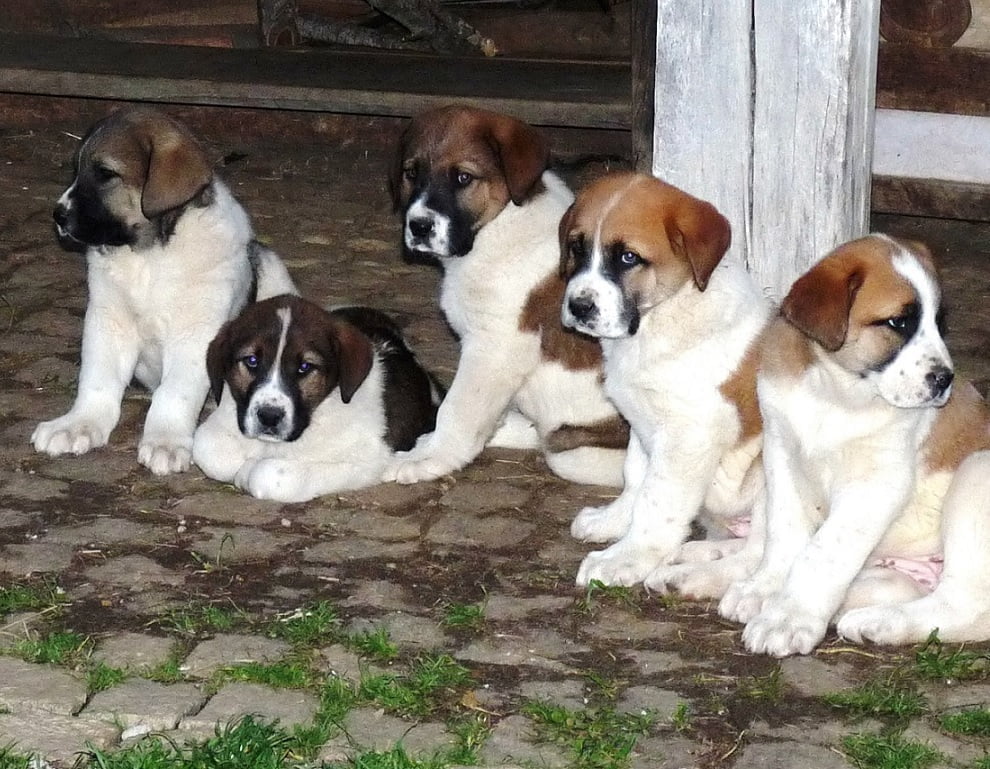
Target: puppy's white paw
x=165 y=454
x=406 y=468
x=889 y=625
x=601 y=524
x=620 y=564
x=783 y=628
x=69 y=435
x=699 y=580
x=708 y=549
x=745 y=599
x=275 y=479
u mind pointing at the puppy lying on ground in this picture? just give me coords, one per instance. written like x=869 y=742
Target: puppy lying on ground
x=170 y=256
x=476 y=195
x=877 y=465
x=647 y=275
x=310 y=401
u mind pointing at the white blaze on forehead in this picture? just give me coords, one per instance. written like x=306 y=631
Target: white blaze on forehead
x=906 y=264
x=598 y=251
x=271 y=392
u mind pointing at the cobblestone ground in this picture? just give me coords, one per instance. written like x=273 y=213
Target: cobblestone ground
x=185 y=591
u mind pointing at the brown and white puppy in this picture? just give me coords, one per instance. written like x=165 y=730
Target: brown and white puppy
x=648 y=273
x=877 y=464
x=476 y=196
x=310 y=402
x=170 y=256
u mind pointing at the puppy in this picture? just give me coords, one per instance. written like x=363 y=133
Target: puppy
x=476 y=196
x=648 y=274
x=310 y=402
x=877 y=465
x=170 y=256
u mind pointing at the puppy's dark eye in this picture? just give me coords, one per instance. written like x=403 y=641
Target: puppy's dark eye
x=250 y=362
x=105 y=174
x=463 y=178
x=906 y=323
x=409 y=174
x=629 y=259
x=305 y=367
x=576 y=249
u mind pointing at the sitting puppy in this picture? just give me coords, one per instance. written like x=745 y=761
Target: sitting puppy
x=310 y=401
x=476 y=195
x=877 y=465
x=170 y=256
x=677 y=323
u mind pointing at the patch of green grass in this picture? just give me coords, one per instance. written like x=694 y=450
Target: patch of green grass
x=57 y=648
x=598 y=738
x=395 y=758
x=308 y=626
x=935 y=662
x=244 y=744
x=471 y=733
x=375 y=644
x=871 y=751
x=432 y=683
x=464 y=616
x=767 y=688
x=681 y=717
x=11 y=759
x=884 y=698
x=30 y=597
x=974 y=722
x=101 y=676
x=981 y=763
x=598 y=593
x=284 y=674
x=198 y=620
x=167 y=672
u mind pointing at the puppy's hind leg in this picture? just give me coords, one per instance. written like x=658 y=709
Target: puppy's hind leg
x=959 y=607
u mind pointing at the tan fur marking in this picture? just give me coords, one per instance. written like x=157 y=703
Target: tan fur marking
x=962 y=427
x=541 y=315
x=740 y=390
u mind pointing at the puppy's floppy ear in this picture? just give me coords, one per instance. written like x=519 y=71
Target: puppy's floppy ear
x=523 y=153
x=218 y=360
x=396 y=170
x=700 y=235
x=354 y=357
x=566 y=266
x=178 y=169
x=819 y=302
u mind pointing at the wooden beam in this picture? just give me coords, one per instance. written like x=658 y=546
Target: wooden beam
x=643 y=53
x=813 y=132
x=955 y=80
x=931 y=197
x=556 y=93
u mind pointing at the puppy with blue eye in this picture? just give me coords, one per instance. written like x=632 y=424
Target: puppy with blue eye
x=649 y=273
x=310 y=402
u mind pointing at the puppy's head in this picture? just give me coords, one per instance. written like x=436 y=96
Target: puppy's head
x=874 y=306
x=280 y=358
x=136 y=170
x=455 y=170
x=630 y=242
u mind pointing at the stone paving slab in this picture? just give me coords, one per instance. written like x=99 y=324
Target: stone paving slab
x=138 y=702
x=59 y=738
x=288 y=707
x=133 y=651
x=27 y=687
x=367 y=729
x=227 y=649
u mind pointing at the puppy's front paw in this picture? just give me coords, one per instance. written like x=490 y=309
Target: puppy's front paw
x=620 y=564
x=427 y=460
x=700 y=580
x=601 y=524
x=165 y=454
x=888 y=625
x=699 y=550
x=744 y=599
x=783 y=628
x=275 y=479
x=69 y=435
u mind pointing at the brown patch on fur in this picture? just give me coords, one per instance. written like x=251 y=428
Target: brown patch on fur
x=740 y=390
x=505 y=156
x=541 y=315
x=785 y=351
x=961 y=428
x=609 y=433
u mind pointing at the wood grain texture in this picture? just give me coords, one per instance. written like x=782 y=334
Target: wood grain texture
x=815 y=66
x=955 y=80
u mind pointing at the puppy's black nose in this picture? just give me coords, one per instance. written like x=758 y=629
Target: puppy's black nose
x=60 y=215
x=420 y=228
x=939 y=379
x=580 y=307
x=270 y=416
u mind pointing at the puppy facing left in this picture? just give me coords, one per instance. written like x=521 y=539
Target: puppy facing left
x=311 y=402
x=170 y=256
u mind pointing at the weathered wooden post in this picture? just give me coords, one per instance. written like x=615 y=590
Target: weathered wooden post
x=765 y=107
